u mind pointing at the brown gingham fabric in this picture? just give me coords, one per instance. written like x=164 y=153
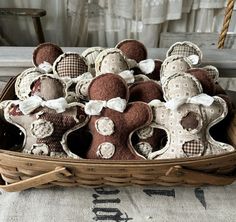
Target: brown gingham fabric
x=61 y=124
x=193 y=148
x=183 y=50
x=212 y=72
x=71 y=65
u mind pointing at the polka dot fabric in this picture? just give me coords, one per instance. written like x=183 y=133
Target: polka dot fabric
x=181 y=85
x=111 y=61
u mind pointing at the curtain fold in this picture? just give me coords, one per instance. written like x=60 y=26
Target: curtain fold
x=106 y=22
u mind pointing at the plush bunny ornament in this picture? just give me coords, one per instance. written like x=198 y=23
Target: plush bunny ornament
x=113 y=120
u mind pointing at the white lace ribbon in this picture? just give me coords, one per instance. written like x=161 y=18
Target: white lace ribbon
x=46 y=67
x=84 y=76
x=174 y=104
x=146 y=66
x=94 y=107
x=192 y=59
x=128 y=76
x=29 y=105
x=201 y=99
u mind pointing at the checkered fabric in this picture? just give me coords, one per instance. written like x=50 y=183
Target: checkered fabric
x=193 y=148
x=71 y=65
x=183 y=50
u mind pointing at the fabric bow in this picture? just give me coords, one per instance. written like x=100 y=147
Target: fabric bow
x=192 y=59
x=94 y=107
x=174 y=104
x=46 y=67
x=146 y=66
x=29 y=105
x=128 y=76
x=84 y=76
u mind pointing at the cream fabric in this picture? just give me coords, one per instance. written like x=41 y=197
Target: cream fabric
x=45 y=66
x=128 y=76
x=201 y=99
x=29 y=105
x=94 y=107
x=146 y=66
x=170 y=121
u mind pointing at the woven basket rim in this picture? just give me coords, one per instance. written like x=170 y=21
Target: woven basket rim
x=114 y=162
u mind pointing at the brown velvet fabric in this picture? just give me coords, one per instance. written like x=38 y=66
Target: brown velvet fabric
x=145 y=91
x=46 y=52
x=133 y=49
x=136 y=115
x=189 y=122
x=108 y=86
x=155 y=75
x=216 y=131
x=206 y=81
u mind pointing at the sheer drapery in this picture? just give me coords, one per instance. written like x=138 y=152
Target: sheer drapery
x=105 y=22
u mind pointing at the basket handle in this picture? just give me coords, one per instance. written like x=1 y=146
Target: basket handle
x=199 y=177
x=5 y=90
x=37 y=180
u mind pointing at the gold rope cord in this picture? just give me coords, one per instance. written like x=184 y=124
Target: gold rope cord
x=227 y=18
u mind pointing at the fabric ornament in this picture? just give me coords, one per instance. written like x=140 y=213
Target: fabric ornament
x=146 y=66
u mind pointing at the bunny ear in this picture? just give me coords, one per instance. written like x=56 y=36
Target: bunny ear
x=193 y=59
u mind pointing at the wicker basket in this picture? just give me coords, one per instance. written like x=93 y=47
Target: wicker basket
x=22 y=171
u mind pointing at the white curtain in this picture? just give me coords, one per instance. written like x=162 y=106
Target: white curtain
x=106 y=22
